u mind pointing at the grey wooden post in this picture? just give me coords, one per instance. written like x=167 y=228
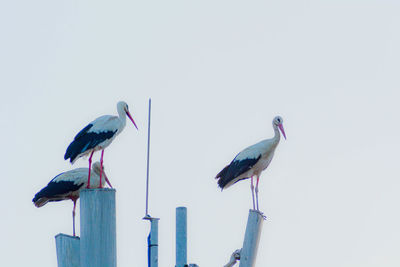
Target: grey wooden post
x=181 y=236
x=98 y=228
x=153 y=242
x=68 y=251
x=248 y=253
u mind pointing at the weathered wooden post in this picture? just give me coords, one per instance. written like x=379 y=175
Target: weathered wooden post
x=68 y=250
x=98 y=228
x=248 y=253
x=181 y=236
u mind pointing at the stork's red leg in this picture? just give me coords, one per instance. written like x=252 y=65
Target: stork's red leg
x=101 y=165
x=73 y=215
x=90 y=168
x=258 y=178
x=252 y=192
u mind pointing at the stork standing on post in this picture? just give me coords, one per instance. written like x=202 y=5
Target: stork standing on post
x=97 y=135
x=252 y=161
x=67 y=185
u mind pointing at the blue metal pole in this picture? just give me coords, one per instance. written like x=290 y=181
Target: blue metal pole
x=181 y=236
x=68 y=251
x=153 y=243
x=98 y=228
x=248 y=253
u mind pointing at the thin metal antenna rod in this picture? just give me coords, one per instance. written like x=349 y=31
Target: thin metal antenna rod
x=152 y=241
x=148 y=162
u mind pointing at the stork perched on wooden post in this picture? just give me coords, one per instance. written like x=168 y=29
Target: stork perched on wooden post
x=97 y=135
x=67 y=185
x=252 y=161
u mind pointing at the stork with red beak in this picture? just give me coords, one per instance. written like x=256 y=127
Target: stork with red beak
x=68 y=185
x=251 y=161
x=97 y=135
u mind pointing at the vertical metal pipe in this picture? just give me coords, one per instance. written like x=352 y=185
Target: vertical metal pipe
x=153 y=243
x=148 y=161
x=248 y=253
x=181 y=236
x=98 y=228
x=68 y=251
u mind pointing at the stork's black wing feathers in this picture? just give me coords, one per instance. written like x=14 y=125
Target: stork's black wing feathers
x=234 y=169
x=75 y=148
x=85 y=140
x=56 y=191
x=83 y=131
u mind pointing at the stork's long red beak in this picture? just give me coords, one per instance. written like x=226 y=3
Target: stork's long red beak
x=107 y=181
x=282 y=130
x=130 y=117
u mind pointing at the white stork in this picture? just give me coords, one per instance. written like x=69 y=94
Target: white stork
x=97 y=135
x=67 y=185
x=252 y=161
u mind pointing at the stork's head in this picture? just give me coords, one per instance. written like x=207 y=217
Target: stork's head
x=278 y=121
x=96 y=167
x=122 y=106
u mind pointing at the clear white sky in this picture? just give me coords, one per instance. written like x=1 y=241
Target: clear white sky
x=217 y=72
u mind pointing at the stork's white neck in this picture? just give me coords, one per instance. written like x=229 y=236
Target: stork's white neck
x=277 y=135
x=122 y=115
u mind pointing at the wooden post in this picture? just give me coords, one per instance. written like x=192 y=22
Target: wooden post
x=68 y=251
x=181 y=236
x=248 y=253
x=98 y=228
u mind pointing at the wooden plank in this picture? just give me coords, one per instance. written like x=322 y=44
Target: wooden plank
x=68 y=250
x=98 y=228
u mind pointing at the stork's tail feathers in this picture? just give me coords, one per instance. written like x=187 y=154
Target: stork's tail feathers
x=41 y=198
x=226 y=179
x=72 y=152
x=81 y=143
x=39 y=201
x=222 y=182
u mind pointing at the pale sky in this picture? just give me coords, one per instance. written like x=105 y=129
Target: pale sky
x=217 y=73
